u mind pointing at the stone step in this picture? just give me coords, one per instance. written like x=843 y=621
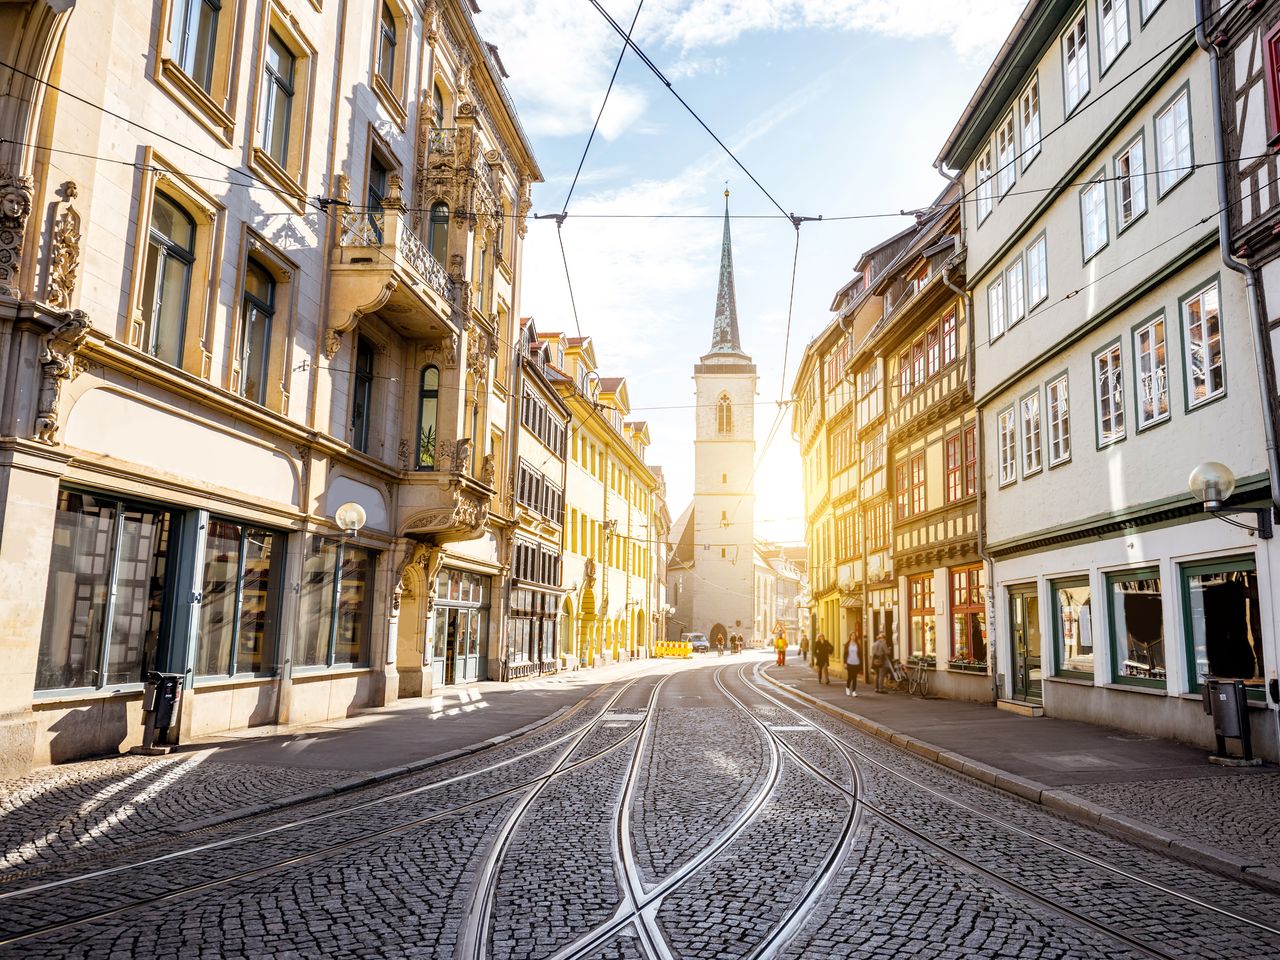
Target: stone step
x=1021 y=707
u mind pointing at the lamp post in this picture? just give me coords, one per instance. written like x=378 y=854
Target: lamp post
x=1212 y=483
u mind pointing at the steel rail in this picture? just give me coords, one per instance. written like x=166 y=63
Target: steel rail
x=474 y=941
x=1021 y=831
x=649 y=900
x=320 y=852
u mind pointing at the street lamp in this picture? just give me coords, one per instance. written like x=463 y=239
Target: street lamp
x=1212 y=483
x=350 y=517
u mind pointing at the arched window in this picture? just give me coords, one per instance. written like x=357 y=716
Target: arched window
x=437 y=104
x=428 y=401
x=724 y=414
x=255 y=332
x=438 y=233
x=170 y=255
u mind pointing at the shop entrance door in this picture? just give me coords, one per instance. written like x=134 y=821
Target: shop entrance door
x=439 y=647
x=1024 y=621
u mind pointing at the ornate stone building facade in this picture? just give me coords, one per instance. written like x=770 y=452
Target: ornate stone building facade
x=267 y=269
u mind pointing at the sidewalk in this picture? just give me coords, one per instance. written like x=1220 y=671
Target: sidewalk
x=60 y=813
x=1161 y=793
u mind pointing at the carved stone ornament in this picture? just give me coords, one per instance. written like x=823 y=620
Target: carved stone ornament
x=589 y=573
x=478 y=354
x=432 y=22
x=403 y=454
x=56 y=366
x=429 y=558
x=15 y=207
x=343 y=188
x=489 y=470
x=64 y=252
x=332 y=344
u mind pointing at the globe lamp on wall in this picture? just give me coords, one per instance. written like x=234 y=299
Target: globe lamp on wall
x=350 y=517
x=1212 y=483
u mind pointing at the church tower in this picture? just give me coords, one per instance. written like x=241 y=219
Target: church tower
x=724 y=504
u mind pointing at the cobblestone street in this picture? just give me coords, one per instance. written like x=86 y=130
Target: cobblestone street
x=683 y=810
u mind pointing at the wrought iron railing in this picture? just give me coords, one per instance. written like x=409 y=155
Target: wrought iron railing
x=367 y=229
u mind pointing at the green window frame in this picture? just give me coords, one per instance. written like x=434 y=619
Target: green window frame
x=1057 y=587
x=1142 y=573
x=1234 y=564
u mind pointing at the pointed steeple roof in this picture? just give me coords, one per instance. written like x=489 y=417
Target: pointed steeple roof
x=724 y=335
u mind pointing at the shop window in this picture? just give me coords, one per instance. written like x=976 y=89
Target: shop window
x=968 y=617
x=1137 y=627
x=105 y=614
x=1223 y=622
x=337 y=604
x=1202 y=347
x=362 y=394
x=166 y=290
x=428 y=406
x=1073 y=626
x=258 y=315
x=240 y=600
x=921 y=616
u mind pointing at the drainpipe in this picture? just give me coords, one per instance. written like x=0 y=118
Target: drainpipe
x=1265 y=361
x=979 y=466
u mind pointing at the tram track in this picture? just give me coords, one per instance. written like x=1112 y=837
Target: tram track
x=1011 y=885
x=187 y=891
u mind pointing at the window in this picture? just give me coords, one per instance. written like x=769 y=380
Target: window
x=968 y=616
x=387 y=47
x=949 y=348
x=1109 y=391
x=902 y=490
x=932 y=351
x=362 y=395
x=438 y=233
x=971 y=459
x=995 y=306
x=1173 y=143
x=921 y=614
x=1271 y=79
x=1029 y=110
x=1075 y=61
x=1006 y=154
x=954 y=460
x=1148 y=8
x=337 y=603
x=104 y=612
x=277 y=100
x=1113 y=17
x=724 y=415
x=904 y=373
x=1223 y=621
x=1073 y=626
x=984 y=185
x=377 y=193
x=240 y=600
x=1059 y=421
x=1202 y=347
x=1153 y=372
x=917 y=364
x=1037 y=273
x=1031 y=451
x=437 y=105
x=878 y=528
x=918 y=502
x=1008 y=447
x=1013 y=281
x=1137 y=626
x=193 y=39
x=1131 y=184
x=1093 y=217
x=167 y=280
x=254 y=353
x=428 y=405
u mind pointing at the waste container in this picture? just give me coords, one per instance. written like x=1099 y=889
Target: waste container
x=161 y=694
x=1228 y=703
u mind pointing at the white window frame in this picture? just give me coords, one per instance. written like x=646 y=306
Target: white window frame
x=1030 y=434
x=1006 y=155
x=1058 y=411
x=1015 y=292
x=1037 y=255
x=1209 y=292
x=1075 y=65
x=1029 y=120
x=1151 y=369
x=1094 y=234
x=1109 y=360
x=1176 y=136
x=1007 y=446
x=985 y=185
x=1132 y=176
x=1113 y=32
x=1147 y=7
x=996 y=316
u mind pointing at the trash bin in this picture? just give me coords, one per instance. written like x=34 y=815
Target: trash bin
x=1228 y=703
x=161 y=694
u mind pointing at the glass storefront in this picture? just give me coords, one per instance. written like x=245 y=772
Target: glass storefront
x=337 y=604
x=921 y=616
x=1137 y=626
x=968 y=617
x=239 y=609
x=460 y=627
x=534 y=647
x=1073 y=626
x=1224 y=622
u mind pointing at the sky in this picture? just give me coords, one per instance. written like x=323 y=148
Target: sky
x=837 y=107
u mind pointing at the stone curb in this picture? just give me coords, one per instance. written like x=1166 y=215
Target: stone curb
x=377 y=776
x=1056 y=799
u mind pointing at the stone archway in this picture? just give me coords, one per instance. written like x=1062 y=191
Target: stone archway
x=718 y=633
x=568 y=633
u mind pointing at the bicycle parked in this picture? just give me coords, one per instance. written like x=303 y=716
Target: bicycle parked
x=913 y=680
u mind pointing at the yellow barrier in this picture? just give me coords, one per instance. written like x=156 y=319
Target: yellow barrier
x=673 y=648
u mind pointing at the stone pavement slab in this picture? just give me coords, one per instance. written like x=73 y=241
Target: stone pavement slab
x=1162 y=793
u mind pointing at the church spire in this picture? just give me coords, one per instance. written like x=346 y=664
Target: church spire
x=724 y=335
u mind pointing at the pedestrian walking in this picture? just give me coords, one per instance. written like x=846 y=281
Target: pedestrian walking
x=852 y=663
x=880 y=661
x=780 y=644
x=822 y=650
x=804 y=647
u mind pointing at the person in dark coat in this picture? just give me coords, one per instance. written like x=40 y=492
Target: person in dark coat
x=822 y=651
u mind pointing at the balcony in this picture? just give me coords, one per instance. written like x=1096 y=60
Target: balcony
x=379 y=265
x=446 y=505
